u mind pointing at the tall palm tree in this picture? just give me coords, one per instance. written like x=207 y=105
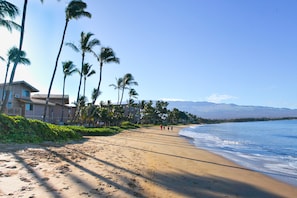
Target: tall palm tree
x=106 y=55
x=74 y=10
x=87 y=72
x=12 y=55
x=128 y=80
x=3 y=108
x=86 y=45
x=68 y=70
x=118 y=86
x=17 y=61
x=8 y=10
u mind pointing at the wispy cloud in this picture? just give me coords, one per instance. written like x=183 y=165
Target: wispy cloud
x=172 y=99
x=218 y=98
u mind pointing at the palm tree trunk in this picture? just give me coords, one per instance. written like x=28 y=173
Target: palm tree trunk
x=118 y=96
x=81 y=74
x=62 y=117
x=4 y=104
x=4 y=85
x=122 y=95
x=55 y=69
x=78 y=92
x=99 y=83
x=85 y=79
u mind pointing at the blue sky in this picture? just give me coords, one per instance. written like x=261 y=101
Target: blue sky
x=224 y=51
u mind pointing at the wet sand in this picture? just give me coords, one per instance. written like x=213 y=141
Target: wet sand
x=144 y=162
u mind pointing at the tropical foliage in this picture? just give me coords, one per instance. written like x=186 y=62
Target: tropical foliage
x=74 y=10
x=8 y=10
x=68 y=70
x=86 y=45
x=19 y=129
x=104 y=118
x=106 y=55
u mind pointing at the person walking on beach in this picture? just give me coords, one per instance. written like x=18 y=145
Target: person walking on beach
x=161 y=127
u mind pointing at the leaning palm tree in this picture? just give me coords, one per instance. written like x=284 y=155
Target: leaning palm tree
x=128 y=80
x=87 y=72
x=118 y=86
x=86 y=45
x=68 y=70
x=8 y=10
x=106 y=55
x=74 y=10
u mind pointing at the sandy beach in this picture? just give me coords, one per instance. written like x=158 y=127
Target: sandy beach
x=146 y=162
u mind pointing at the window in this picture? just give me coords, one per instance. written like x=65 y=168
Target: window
x=25 y=93
x=9 y=105
x=29 y=107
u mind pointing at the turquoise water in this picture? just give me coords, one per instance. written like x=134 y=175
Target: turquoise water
x=269 y=147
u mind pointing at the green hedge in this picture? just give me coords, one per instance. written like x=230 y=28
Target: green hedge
x=21 y=130
x=18 y=129
x=105 y=131
x=128 y=125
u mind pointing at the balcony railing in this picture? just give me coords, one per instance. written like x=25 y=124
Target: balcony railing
x=14 y=111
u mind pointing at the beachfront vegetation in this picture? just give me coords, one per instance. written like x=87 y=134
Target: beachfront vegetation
x=18 y=129
x=74 y=10
x=21 y=130
x=90 y=118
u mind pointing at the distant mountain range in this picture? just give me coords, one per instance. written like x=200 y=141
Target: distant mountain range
x=210 y=110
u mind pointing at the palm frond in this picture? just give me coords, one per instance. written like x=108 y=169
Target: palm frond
x=73 y=46
x=8 y=9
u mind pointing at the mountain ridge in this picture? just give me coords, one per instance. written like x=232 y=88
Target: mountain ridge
x=211 y=110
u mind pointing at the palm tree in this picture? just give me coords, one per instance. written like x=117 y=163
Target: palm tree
x=20 y=49
x=132 y=94
x=87 y=72
x=86 y=45
x=106 y=55
x=8 y=10
x=118 y=86
x=128 y=80
x=3 y=108
x=68 y=70
x=74 y=10
x=94 y=94
x=14 y=55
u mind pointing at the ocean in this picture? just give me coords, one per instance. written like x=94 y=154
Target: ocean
x=269 y=147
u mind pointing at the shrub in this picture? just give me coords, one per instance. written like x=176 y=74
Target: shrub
x=128 y=125
x=105 y=131
x=21 y=130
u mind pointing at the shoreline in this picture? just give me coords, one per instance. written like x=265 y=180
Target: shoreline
x=279 y=176
x=145 y=162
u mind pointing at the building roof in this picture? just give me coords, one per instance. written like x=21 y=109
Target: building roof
x=25 y=84
x=35 y=101
x=52 y=96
